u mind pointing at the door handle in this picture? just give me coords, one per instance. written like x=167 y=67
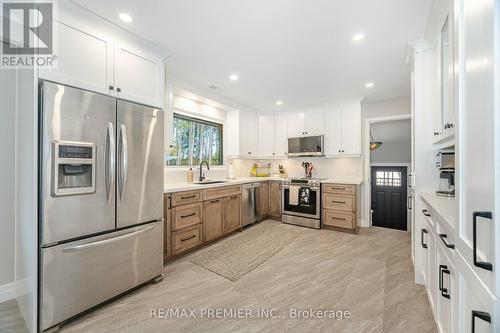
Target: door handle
x=448 y=245
x=422 y=232
x=110 y=160
x=442 y=270
x=85 y=246
x=481 y=264
x=444 y=291
x=124 y=160
x=484 y=316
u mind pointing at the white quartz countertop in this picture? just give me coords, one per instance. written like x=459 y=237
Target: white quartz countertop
x=185 y=186
x=444 y=207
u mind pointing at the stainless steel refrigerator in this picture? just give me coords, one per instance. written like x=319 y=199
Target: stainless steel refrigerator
x=101 y=199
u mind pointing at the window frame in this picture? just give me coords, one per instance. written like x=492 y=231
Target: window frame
x=201 y=120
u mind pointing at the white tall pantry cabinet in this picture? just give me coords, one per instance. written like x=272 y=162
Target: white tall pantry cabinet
x=457 y=257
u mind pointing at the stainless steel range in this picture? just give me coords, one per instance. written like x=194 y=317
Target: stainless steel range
x=301 y=202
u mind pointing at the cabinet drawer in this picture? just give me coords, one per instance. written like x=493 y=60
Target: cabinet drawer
x=187 y=215
x=339 y=189
x=183 y=198
x=186 y=238
x=220 y=192
x=339 y=202
x=339 y=219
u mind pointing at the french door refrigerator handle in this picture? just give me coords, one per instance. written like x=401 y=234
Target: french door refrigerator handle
x=110 y=152
x=82 y=247
x=485 y=316
x=481 y=264
x=124 y=160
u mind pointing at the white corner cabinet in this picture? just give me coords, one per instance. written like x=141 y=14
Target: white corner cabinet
x=242 y=134
x=89 y=59
x=341 y=126
x=343 y=131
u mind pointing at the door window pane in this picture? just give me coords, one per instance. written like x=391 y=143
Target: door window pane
x=195 y=140
x=388 y=178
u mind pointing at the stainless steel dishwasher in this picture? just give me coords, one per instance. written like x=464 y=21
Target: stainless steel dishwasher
x=251 y=208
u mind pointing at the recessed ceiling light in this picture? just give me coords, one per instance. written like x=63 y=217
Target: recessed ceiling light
x=369 y=85
x=125 y=17
x=359 y=36
x=278 y=102
x=234 y=77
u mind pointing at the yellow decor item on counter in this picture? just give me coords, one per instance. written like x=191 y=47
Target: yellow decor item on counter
x=253 y=172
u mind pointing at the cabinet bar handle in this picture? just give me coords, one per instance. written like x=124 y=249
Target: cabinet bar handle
x=423 y=231
x=189 y=215
x=426 y=212
x=485 y=316
x=481 y=264
x=443 y=237
x=188 y=238
x=335 y=201
x=189 y=197
x=339 y=188
x=338 y=218
x=214 y=201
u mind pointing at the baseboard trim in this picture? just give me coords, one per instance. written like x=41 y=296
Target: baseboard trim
x=7 y=292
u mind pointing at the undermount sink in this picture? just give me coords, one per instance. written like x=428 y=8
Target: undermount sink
x=207 y=182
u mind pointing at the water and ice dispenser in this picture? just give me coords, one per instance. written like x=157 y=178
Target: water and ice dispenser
x=74 y=168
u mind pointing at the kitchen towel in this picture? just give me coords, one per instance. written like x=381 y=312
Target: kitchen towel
x=293 y=195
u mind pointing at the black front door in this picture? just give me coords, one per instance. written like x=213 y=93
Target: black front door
x=389 y=193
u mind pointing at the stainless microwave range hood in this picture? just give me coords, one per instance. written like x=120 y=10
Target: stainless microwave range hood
x=307 y=146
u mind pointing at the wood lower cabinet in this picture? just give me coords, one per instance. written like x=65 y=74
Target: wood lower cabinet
x=185 y=239
x=264 y=199
x=193 y=218
x=339 y=204
x=213 y=219
x=232 y=213
x=275 y=199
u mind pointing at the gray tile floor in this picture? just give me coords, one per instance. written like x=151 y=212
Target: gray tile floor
x=370 y=275
x=11 y=320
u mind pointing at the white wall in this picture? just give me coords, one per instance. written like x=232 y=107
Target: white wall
x=7 y=189
x=392 y=152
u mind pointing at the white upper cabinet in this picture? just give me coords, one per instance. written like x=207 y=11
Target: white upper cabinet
x=306 y=124
x=315 y=123
x=351 y=130
x=266 y=136
x=296 y=125
x=281 y=135
x=478 y=131
x=137 y=76
x=84 y=59
x=333 y=137
x=343 y=131
x=90 y=60
x=242 y=138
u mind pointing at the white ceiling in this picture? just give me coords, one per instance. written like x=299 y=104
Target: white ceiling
x=298 y=51
x=392 y=131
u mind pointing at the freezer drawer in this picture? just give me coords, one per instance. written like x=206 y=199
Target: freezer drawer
x=77 y=276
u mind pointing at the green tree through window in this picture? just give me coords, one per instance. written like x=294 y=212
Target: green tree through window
x=195 y=140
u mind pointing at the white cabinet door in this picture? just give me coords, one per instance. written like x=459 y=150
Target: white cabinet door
x=333 y=135
x=478 y=157
x=296 y=125
x=138 y=76
x=266 y=136
x=446 y=294
x=430 y=274
x=351 y=130
x=476 y=305
x=315 y=123
x=281 y=135
x=248 y=134
x=84 y=60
